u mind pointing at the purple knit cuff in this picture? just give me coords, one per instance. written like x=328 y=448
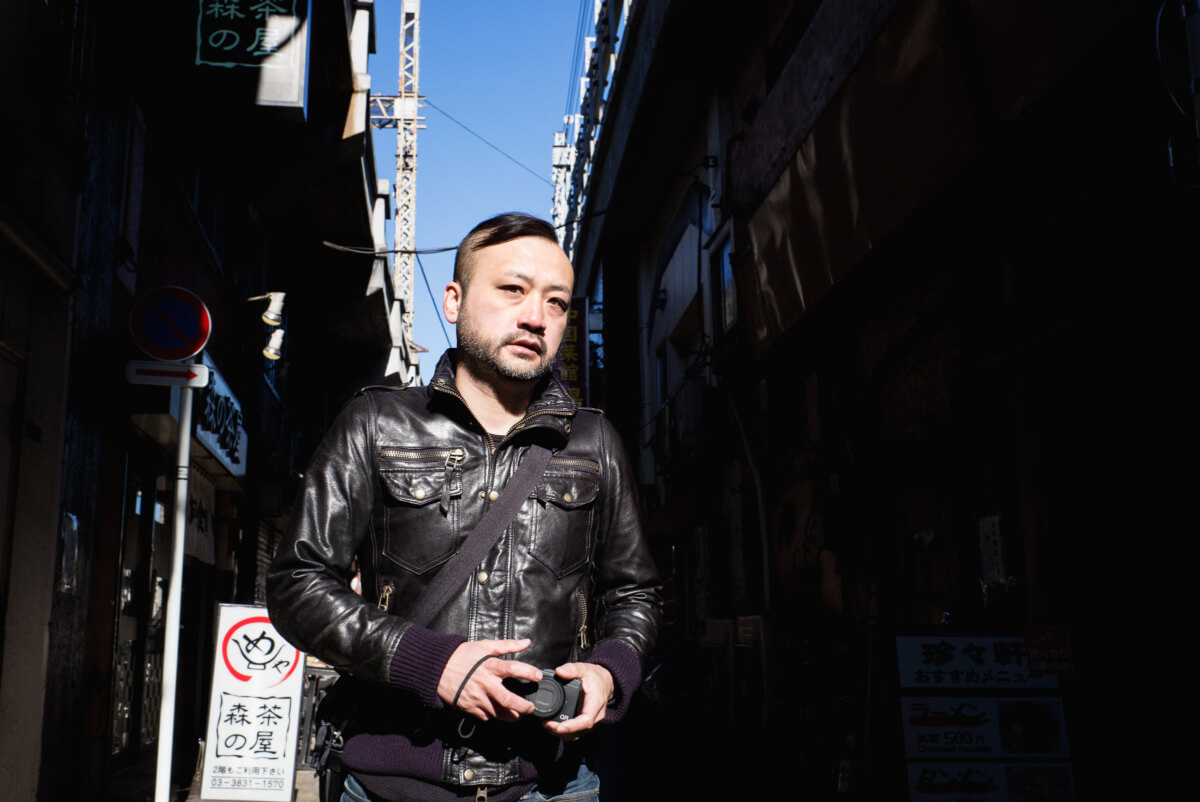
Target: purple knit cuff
x=622 y=662
x=419 y=661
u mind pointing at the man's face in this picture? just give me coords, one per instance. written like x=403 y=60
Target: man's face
x=511 y=319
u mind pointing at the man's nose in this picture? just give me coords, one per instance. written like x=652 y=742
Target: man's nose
x=533 y=316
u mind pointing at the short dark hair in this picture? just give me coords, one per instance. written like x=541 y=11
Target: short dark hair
x=494 y=231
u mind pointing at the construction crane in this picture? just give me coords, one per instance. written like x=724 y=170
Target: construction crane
x=402 y=112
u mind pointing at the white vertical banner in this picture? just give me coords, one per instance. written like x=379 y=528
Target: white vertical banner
x=201 y=513
x=254 y=710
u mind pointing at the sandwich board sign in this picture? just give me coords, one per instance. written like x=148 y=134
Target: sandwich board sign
x=254 y=711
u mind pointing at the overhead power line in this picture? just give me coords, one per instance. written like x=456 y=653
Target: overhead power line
x=576 y=70
x=433 y=301
x=373 y=252
x=462 y=125
x=368 y=251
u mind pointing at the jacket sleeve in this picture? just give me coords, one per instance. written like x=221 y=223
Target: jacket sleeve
x=308 y=590
x=628 y=587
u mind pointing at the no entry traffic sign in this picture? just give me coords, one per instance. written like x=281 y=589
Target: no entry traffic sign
x=170 y=324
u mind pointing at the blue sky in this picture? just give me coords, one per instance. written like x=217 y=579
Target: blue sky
x=503 y=69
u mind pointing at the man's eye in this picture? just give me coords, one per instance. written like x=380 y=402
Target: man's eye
x=560 y=303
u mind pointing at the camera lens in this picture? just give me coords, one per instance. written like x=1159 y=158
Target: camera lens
x=548 y=698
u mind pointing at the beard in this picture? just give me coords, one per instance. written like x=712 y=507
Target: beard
x=485 y=352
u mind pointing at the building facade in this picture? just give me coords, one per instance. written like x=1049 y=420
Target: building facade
x=217 y=147
x=868 y=284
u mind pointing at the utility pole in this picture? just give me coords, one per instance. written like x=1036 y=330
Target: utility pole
x=401 y=111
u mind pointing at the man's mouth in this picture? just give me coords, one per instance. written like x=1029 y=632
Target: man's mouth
x=529 y=344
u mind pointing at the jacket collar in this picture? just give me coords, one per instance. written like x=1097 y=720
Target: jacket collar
x=552 y=406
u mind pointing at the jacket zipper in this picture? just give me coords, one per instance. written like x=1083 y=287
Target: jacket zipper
x=583 y=622
x=452 y=457
x=511 y=429
x=582 y=463
x=521 y=423
x=455 y=393
x=385 y=597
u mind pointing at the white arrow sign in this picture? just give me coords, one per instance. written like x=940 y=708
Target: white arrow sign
x=164 y=373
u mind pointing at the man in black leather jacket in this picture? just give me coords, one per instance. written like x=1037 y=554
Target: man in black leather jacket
x=400 y=480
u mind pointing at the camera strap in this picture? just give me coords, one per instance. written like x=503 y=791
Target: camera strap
x=450 y=579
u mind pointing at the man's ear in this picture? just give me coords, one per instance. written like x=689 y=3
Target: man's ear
x=451 y=300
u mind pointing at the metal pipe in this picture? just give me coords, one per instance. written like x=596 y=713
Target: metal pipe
x=166 y=713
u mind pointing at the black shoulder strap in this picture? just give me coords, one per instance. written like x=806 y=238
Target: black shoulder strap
x=481 y=540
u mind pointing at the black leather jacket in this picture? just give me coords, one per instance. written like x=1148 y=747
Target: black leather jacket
x=402 y=478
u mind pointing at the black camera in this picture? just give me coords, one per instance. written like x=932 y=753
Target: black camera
x=552 y=698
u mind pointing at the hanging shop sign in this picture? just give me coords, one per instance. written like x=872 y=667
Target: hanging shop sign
x=170 y=324
x=220 y=423
x=253 y=711
x=572 y=366
x=267 y=36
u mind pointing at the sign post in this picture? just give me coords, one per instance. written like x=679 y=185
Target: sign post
x=172 y=324
x=166 y=712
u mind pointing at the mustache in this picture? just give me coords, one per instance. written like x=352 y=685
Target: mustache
x=525 y=335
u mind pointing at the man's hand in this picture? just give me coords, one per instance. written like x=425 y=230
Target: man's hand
x=597 y=690
x=483 y=695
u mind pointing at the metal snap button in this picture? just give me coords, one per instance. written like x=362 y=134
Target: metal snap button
x=567 y=497
x=482 y=494
x=481 y=577
x=567 y=428
x=469 y=774
x=420 y=494
x=494 y=495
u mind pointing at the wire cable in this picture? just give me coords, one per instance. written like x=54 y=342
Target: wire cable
x=462 y=125
x=417 y=252
x=574 y=74
x=373 y=252
x=434 y=302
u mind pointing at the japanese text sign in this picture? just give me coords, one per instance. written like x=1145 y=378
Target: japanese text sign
x=572 y=362
x=953 y=727
x=254 y=710
x=242 y=32
x=268 y=35
x=936 y=662
x=220 y=423
x=989 y=782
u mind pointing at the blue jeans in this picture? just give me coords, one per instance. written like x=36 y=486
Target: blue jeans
x=585 y=786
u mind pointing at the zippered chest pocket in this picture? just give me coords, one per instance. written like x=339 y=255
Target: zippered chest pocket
x=562 y=525
x=419 y=516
